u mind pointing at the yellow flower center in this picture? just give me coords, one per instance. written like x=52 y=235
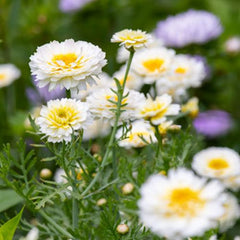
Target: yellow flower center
x=139 y=138
x=132 y=37
x=154 y=64
x=151 y=107
x=62 y=117
x=180 y=70
x=218 y=164
x=185 y=202
x=2 y=76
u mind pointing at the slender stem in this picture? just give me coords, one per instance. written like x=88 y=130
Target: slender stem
x=57 y=226
x=68 y=93
x=75 y=210
x=112 y=138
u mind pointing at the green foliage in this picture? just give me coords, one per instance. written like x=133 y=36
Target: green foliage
x=9 y=198
x=8 y=229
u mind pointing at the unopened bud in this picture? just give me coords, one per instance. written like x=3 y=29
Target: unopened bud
x=98 y=157
x=122 y=228
x=127 y=188
x=164 y=141
x=101 y=202
x=175 y=128
x=45 y=173
x=95 y=148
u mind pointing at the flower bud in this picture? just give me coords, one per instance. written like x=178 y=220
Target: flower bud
x=101 y=202
x=45 y=173
x=127 y=188
x=122 y=228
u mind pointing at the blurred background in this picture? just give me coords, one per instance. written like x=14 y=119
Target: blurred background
x=27 y=24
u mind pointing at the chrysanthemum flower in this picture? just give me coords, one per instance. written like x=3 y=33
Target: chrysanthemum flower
x=101 y=107
x=217 y=162
x=60 y=119
x=232 y=182
x=131 y=38
x=140 y=135
x=133 y=80
x=8 y=74
x=192 y=26
x=157 y=110
x=231 y=212
x=180 y=205
x=71 y=65
x=184 y=71
x=151 y=64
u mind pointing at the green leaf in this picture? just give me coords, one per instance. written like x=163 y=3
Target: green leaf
x=8 y=229
x=9 y=198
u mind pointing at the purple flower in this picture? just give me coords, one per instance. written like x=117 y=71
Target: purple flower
x=38 y=95
x=213 y=123
x=189 y=27
x=72 y=5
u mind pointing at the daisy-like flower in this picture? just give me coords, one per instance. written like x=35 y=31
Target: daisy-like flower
x=140 y=134
x=8 y=74
x=133 y=80
x=231 y=212
x=69 y=64
x=62 y=118
x=101 y=107
x=191 y=107
x=157 y=110
x=180 y=205
x=151 y=64
x=217 y=162
x=232 y=182
x=131 y=38
x=184 y=71
x=164 y=127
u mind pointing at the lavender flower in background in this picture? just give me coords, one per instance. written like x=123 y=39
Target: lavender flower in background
x=193 y=26
x=39 y=96
x=72 y=5
x=213 y=123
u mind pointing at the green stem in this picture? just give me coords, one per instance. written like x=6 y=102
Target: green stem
x=54 y=224
x=112 y=138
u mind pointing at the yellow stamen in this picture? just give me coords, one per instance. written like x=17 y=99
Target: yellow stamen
x=154 y=64
x=218 y=164
x=180 y=70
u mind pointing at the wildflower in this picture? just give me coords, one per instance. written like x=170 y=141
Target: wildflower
x=231 y=212
x=72 y=5
x=101 y=107
x=232 y=45
x=131 y=38
x=213 y=123
x=217 y=162
x=166 y=126
x=191 y=107
x=8 y=74
x=180 y=205
x=42 y=95
x=69 y=64
x=157 y=110
x=133 y=80
x=193 y=26
x=140 y=135
x=184 y=72
x=151 y=64
x=122 y=228
x=127 y=188
x=60 y=119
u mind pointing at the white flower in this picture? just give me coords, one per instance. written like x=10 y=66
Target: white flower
x=151 y=64
x=232 y=45
x=180 y=205
x=62 y=118
x=157 y=110
x=231 y=212
x=98 y=128
x=123 y=53
x=60 y=176
x=71 y=65
x=101 y=107
x=103 y=81
x=131 y=38
x=184 y=72
x=8 y=74
x=232 y=182
x=33 y=234
x=140 y=134
x=217 y=162
x=133 y=81
x=237 y=238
